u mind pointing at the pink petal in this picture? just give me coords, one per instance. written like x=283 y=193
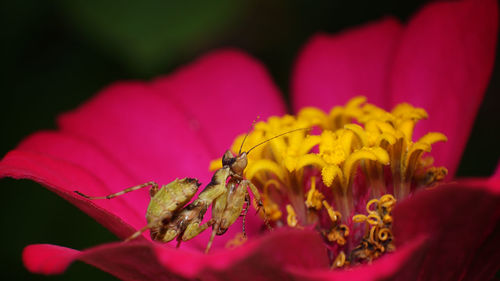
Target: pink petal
x=113 y=176
x=65 y=163
x=48 y=259
x=496 y=175
x=462 y=222
x=222 y=93
x=399 y=265
x=332 y=69
x=268 y=258
x=62 y=178
x=443 y=64
x=144 y=131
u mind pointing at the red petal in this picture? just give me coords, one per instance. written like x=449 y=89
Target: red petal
x=143 y=131
x=268 y=258
x=462 y=222
x=332 y=69
x=443 y=65
x=222 y=93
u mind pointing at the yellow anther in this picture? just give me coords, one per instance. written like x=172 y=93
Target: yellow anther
x=350 y=165
x=308 y=143
x=356 y=138
x=272 y=182
x=338 y=234
x=345 y=229
x=271 y=209
x=374 y=219
x=387 y=219
x=432 y=138
x=314 y=197
x=412 y=156
x=315 y=116
x=407 y=111
x=378 y=238
x=359 y=218
x=238 y=240
x=371 y=236
x=369 y=205
x=337 y=237
x=387 y=201
x=385 y=140
x=335 y=116
x=345 y=140
x=215 y=164
x=340 y=260
x=384 y=234
x=363 y=136
x=380 y=126
x=310 y=159
x=297 y=148
x=291 y=219
x=264 y=165
x=329 y=173
x=334 y=215
x=406 y=127
x=330 y=149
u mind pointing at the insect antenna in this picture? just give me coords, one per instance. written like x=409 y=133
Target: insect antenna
x=277 y=136
x=249 y=130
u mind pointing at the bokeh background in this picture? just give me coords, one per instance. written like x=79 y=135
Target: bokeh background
x=57 y=54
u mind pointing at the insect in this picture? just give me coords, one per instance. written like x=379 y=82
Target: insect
x=169 y=217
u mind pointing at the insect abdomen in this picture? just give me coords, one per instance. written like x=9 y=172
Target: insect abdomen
x=171 y=198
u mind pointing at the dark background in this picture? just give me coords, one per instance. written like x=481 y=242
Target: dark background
x=57 y=54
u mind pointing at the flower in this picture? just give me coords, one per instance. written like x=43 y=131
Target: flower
x=134 y=132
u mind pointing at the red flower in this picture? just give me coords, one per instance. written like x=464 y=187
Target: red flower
x=134 y=132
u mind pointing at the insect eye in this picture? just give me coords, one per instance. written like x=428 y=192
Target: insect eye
x=228 y=161
x=228 y=158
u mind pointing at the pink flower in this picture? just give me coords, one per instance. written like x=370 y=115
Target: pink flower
x=134 y=132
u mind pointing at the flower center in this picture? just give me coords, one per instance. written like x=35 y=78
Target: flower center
x=344 y=176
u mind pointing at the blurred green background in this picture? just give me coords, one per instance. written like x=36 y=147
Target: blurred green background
x=57 y=54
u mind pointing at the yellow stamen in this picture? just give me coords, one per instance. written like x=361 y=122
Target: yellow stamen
x=291 y=219
x=374 y=154
x=355 y=147
x=378 y=238
x=271 y=209
x=314 y=197
x=334 y=215
x=330 y=173
x=215 y=164
x=264 y=165
x=315 y=116
x=340 y=260
x=238 y=240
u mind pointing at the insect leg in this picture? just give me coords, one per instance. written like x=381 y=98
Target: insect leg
x=219 y=200
x=154 y=189
x=247 y=201
x=212 y=236
x=256 y=195
x=139 y=232
x=235 y=203
x=195 y=228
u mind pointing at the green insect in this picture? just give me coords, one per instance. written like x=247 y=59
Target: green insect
x=168 y=217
